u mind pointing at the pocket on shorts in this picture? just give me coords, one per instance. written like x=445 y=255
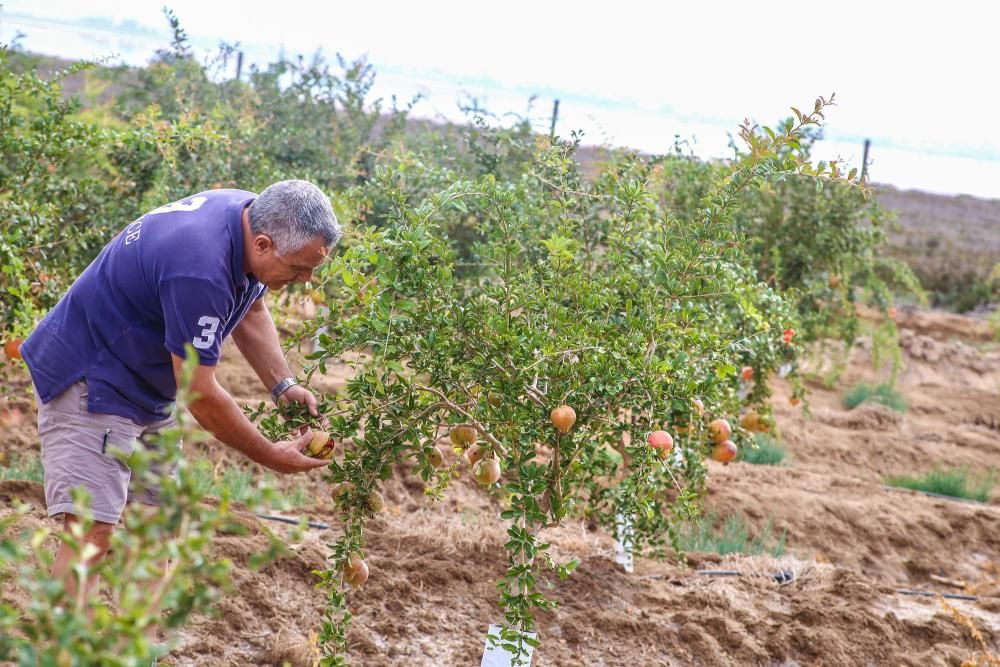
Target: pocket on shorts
x=92 y=455
x=72 y=402
x=118 y=443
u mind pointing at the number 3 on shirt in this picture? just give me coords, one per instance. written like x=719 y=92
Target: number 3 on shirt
x=207 y=337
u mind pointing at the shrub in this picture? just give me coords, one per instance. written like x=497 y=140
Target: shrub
x=765 y=450
x=884 y=394
x=156 y=572
x=587 y=296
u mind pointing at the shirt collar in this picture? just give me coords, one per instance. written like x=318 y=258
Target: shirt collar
x=235 y=223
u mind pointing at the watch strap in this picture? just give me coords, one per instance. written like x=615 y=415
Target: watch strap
x=281 y=387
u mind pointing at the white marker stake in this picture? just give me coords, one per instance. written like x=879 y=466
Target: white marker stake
x=677 y=458
x=496 y=656
x=324 y=312
x=623 y=543
x=744 y=390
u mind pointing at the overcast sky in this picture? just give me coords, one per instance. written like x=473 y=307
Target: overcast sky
x=921 y=83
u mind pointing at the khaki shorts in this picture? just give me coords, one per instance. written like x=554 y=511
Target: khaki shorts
x=81 y=448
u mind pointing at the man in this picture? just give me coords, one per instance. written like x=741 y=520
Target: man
x=106 y=360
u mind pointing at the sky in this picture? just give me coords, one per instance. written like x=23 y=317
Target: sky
x=918 y=81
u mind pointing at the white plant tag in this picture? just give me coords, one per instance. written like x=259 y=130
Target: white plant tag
x=785 y=370
x=324 y=312
x=744 y=390
x=497 y=656
x=623 y=541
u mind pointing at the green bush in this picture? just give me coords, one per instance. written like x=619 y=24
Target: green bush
x=157 y=572
x=765 y=450
x=883 y=393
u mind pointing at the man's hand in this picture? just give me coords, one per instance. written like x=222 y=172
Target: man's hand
x=217 y=412
x=299 y=394
x=285 y=456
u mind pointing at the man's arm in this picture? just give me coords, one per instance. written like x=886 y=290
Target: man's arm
x=217 y=412
x=257 y=340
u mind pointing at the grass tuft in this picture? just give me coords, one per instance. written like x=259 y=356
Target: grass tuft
x=954 y=482
x=883 y=393
x=766 y=451
x=28 y=468
x=243 y=486
x=732 y=537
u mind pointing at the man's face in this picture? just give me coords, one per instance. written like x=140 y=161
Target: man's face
x=279 y=271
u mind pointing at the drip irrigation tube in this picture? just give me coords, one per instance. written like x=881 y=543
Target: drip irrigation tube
x=291 y=520
x=931 y=594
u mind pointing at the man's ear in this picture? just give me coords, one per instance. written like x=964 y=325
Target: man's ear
x=262 y=243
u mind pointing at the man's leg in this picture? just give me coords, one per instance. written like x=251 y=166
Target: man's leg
x=84 y=450
x=66 y=557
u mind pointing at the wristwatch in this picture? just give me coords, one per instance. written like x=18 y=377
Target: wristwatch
x=281 y=388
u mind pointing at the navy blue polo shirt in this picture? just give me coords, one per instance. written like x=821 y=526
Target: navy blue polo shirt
x=172 y=277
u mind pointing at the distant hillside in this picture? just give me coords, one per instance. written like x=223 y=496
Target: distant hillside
x=970 y=223
x=952 y=242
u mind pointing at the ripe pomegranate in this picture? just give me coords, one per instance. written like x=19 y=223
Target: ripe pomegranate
x=719 y=430
x=474 y=454
x=660 y=440
x=320 y=446
x=788 y=335
x=563 y=418
x=12 y=348
x=355 y=570
x=794 y=400
x=747 y=373
x=725 y=451
x=436 y=458
x=462 y=435
x=751 y=421
x=487 y=471
x=341 y=489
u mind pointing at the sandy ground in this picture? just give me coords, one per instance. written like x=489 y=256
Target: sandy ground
x=851 y=545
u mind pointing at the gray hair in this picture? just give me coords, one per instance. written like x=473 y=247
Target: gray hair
x=293 y=213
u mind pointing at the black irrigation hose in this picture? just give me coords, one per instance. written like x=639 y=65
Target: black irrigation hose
x=929 y=594
x=291 y=520
x=786 y=576
x=782 y=577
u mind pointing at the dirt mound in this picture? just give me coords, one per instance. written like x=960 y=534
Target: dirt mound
x=869 y=417
x=945 y=326
x=15 y=490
